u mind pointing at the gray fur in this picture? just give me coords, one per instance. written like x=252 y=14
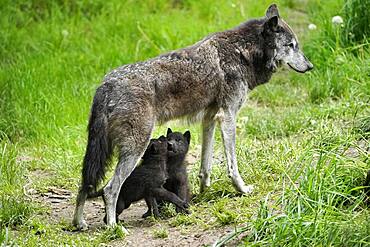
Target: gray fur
x=208 y=79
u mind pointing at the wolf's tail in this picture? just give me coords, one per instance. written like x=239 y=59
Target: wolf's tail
x=99 y=149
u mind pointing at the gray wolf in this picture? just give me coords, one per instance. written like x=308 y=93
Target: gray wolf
x=147 y=180
x=177 y=181
x=207 y=81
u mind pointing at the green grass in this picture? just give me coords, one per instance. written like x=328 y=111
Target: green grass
x=160 y=233
x=302 y=139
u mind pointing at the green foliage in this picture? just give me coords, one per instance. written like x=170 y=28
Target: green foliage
x=113 y=233
x=322 y=201
x=225 y=216
x=302 y=139
x=160 y=233
x=14 y=208
x=4 y=235
x=356 y=28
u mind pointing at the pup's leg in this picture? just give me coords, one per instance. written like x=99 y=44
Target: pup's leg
x=183 y=191
x=163 y=194
x=207 y=152
x=149 y=205
x=228 y=129
x=152 y=205
x=121 y=205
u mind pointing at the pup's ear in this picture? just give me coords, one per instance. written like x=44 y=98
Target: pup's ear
x=271 y=24
x=272 y=10
x=153 y=148
x=169 y=131
x=187 y=136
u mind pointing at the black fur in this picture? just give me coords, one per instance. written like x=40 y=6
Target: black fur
x=146 y=181
x=177 y=181
x=98 y=150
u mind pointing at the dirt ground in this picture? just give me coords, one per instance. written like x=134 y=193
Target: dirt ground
x=141 y=231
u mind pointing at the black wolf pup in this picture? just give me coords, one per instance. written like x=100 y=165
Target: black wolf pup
x=177 y=182
x=146 y=181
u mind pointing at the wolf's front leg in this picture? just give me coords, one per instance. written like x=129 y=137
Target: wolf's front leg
x=228 y=129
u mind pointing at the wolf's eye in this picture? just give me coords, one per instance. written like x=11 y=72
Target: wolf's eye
x=291 y=45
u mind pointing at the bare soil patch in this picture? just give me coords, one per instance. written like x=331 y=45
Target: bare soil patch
x=141 y=231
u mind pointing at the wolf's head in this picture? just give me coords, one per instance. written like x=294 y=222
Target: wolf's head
x=284 y=42
x=178 y=143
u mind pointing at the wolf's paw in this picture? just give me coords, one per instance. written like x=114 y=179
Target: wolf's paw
x=240 y=185
x=81 y=226
x=246 y=189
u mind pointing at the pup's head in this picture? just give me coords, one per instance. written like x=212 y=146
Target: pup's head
x=156 y=148
x=178 y=143
x=284 y=43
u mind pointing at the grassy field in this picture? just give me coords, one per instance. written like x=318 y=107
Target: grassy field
x=303 y=140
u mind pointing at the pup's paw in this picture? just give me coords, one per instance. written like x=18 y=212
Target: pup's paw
x=147 y=214
x=186 y=211
x=183 y=209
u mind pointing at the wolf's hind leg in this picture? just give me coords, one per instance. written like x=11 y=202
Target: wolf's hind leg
x=78 y=219
x=207 y=152
x=228 y=129
x=132 y=134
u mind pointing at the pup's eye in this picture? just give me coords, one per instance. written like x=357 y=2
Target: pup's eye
x=291 y=45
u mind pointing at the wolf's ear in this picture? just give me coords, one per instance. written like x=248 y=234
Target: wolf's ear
x=271 y=24
x=169 y=131
x=187 y=136
x=272 y=10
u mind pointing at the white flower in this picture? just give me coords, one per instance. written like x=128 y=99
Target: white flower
x=312 y=26
x=337 y=20
x=65 y=33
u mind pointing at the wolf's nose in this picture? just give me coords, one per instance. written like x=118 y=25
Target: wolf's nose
x=310 y=66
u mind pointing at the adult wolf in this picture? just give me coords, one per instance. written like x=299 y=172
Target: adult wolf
x=208 y=80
